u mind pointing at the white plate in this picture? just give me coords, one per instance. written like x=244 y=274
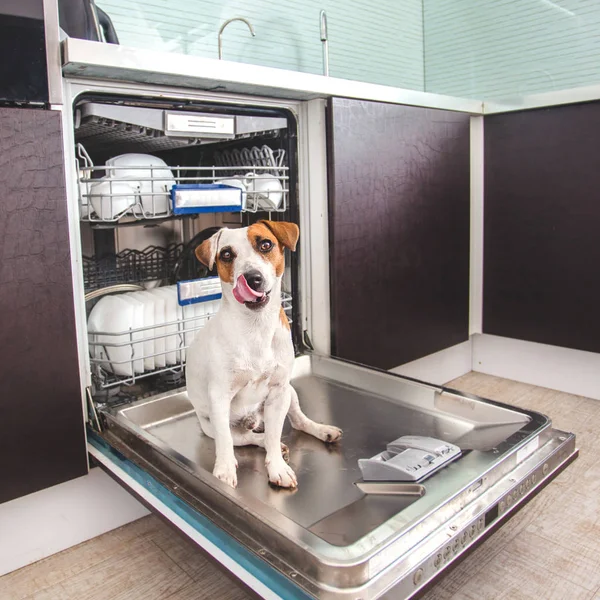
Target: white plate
x=172 y=289
x=112 y=314
x=209 y=309
x=110 y=199
x=189 y=314
x=200 y=314
x=266 y=189
x=160 y=345
x=137 y=322
x=147 y=334
x=171 y=341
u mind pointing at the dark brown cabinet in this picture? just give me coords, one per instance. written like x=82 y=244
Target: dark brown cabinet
x=41 y=422
x=399 y=230
x=542 y=217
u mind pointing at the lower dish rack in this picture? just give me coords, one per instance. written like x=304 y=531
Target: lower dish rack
x=124 y=357
x=130 y=266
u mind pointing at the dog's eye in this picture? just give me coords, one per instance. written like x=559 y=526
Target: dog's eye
x=265 y=245
x=226 y=255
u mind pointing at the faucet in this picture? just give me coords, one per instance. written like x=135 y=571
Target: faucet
x=223 y=29
x=324 y=41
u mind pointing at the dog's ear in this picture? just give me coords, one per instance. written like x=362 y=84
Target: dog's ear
x=286 y=233
x=206 y=252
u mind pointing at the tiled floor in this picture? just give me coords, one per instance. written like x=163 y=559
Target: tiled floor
x=549 y=551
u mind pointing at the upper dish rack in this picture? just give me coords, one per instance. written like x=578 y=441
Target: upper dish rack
x=110 y=192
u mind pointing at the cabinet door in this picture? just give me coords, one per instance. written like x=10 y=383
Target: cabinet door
x=399 y=231
x=41 y=422
x=541 y=235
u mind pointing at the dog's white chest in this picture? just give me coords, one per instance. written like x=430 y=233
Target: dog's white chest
x=257 y=370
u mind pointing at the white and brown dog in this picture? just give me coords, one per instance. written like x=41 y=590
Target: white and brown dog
x=239 y=366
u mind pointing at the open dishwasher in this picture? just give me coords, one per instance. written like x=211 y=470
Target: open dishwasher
x=369 y=519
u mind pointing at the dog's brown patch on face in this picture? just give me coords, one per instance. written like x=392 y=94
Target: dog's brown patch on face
x=283 y=318
x=204 y=253
x=257 y=234
x=225 y=270
x=287 y=233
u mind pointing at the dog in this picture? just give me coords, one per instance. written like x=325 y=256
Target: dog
x=239 y=365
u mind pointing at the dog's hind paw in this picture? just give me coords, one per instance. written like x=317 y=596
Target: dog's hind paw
x=329 y=433
x=282 y=475
x=226 y=472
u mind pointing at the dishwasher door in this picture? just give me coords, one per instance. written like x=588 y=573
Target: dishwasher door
x=331 y=538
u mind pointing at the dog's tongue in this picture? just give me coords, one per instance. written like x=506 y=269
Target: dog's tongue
x=243 y=292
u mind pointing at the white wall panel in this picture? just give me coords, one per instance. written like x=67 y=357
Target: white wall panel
x=504 y=48
x=372 y=42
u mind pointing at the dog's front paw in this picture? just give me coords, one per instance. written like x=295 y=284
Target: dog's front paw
x=329 y=433
x=226 y=472
x=281 y=474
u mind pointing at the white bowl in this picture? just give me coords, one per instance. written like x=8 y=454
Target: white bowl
x=112 y=199
x=154 y=177
x=267 y=189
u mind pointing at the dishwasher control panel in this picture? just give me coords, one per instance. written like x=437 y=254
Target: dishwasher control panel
x=409 y=458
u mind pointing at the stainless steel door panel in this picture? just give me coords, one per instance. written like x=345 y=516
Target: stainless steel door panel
x=328 y=528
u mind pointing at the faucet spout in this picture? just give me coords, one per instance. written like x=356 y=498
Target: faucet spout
x=324 y=41
x=222 y=29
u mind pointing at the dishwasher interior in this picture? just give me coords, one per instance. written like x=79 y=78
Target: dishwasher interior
x=154 y=179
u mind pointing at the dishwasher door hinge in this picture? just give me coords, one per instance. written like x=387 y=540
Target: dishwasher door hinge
x=91 y=410
x=306 y=340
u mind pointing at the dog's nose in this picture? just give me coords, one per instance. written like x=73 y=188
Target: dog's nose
x=255 y=280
